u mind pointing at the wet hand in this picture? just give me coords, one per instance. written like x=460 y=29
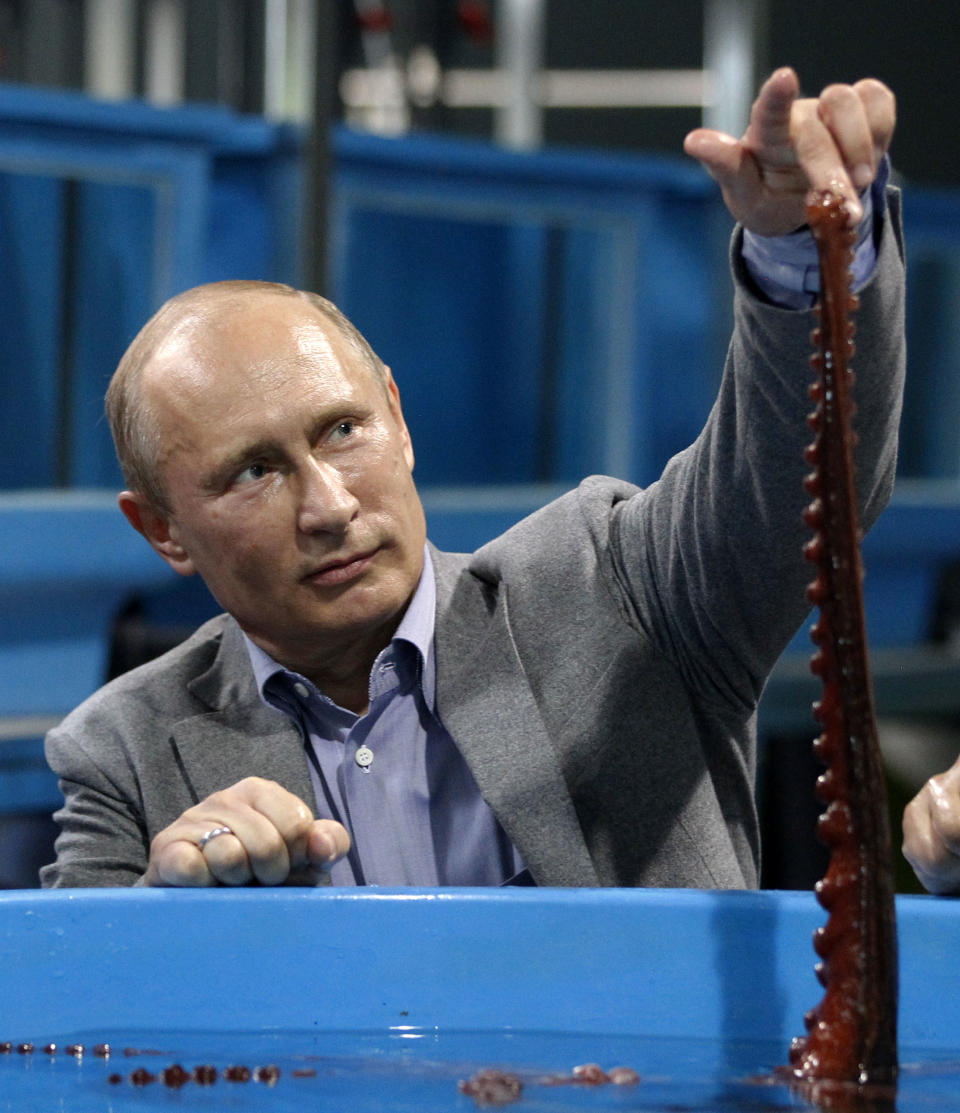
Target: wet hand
x=931 y=832
x=254 y=831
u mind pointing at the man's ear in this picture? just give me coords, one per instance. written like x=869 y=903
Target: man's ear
x=157 y=529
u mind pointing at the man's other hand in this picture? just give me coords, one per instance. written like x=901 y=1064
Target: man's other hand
x=931 y=832
x=256 y=832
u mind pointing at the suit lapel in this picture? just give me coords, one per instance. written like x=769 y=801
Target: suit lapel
x=240 y=736
x=485 y=702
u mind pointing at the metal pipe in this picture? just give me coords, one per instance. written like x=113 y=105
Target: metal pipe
x=302 y=60
x=731 y=30
x=519 y=55
x=164 y=52
x=319 y=162
x=275 y=59
x=109 y=54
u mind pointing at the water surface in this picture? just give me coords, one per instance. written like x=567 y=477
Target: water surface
x=409 y=1070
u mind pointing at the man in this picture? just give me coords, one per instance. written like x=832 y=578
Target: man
x=574 y=704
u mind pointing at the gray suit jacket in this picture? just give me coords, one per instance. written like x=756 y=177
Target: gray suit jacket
x=599 y=665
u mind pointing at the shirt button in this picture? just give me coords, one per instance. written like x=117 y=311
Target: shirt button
x=301 y=689
x=364 y=757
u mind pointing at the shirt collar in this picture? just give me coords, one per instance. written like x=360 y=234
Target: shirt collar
x=415 y=630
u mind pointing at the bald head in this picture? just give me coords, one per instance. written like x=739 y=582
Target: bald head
x=187 y=328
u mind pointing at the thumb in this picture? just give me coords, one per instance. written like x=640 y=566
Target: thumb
x=327 y=843
x=724 y=158
x=730 y=165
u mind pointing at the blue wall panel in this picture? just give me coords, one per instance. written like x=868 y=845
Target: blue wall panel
x=105 y=211
x=546 y=293
x=438 y=305
x=30 y=239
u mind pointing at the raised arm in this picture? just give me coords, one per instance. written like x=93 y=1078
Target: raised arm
x=722 y=533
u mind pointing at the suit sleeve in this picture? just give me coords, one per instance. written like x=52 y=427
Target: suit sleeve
x=712 y=554
x=102 y=841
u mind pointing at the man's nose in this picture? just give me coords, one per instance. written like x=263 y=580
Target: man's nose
x=326 y=502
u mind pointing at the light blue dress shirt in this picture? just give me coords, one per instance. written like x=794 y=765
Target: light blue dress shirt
x=393 y=777
x=786 y=268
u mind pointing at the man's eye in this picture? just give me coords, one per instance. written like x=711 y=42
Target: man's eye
x=343 y=429
x=251 y=473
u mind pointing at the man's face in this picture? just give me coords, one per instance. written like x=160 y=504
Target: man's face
x=288 y=468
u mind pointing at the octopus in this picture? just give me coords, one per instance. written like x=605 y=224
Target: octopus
x=494 y=1087
x=487 y=1087
x=849 y=1051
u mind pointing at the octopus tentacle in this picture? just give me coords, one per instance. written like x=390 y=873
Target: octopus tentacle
x=852 y=1034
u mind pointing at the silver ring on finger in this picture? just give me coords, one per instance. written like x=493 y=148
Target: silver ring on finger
x=213 y=833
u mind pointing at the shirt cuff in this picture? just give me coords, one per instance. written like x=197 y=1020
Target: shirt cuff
x=786 y=269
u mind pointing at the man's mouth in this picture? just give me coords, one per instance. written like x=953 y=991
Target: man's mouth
x=335 y=572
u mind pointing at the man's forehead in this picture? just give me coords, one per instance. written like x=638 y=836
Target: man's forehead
x=222 y=316
x=243 y=339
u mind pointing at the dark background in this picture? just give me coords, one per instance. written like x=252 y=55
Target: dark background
x=913 y=47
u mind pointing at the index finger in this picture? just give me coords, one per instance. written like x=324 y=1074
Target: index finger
x=770 y=116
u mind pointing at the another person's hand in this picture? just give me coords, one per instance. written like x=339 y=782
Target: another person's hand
x=254 y=831
x=792 y=145
x=931 y=832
